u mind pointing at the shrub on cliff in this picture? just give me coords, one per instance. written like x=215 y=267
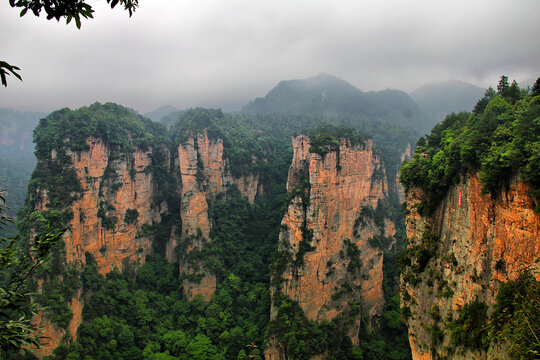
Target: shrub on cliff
x=516 y=317
x=325 y=138
x=500 y=140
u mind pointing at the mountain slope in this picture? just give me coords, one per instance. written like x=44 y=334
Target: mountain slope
x=328 y=96
x=160 y=112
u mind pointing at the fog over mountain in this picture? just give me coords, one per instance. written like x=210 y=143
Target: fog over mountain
x=440 y=99
x=223 y=54
x=329 y=96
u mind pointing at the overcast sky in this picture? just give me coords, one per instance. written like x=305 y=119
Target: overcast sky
x=226 y=52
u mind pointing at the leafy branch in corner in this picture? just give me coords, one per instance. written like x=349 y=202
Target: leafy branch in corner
x=59 y=9
x=68 y=9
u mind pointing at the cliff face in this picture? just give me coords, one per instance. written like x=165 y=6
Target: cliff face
x=112 y=186
x=478 y=244
x=126 y=186
x=52 y=334
x=204 y=174
x=117 y=198
x=323 y=225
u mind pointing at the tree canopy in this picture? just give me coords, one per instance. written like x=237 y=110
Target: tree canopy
x=500 y=139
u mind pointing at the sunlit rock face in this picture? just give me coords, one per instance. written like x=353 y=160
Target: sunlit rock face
x=204 y=174
x=480 y=243
x=335 y=188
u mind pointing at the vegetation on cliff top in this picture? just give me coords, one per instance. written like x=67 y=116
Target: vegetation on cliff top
x=251 y=144
x=500 y=138
x=325 y=138
x=54 y=178
x=118 y=127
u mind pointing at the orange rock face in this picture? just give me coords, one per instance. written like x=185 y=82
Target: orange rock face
x=129 y=187
x=479 y=234
x=204 y=174
x=340 y=184
x=126 y=186
x=51 y=334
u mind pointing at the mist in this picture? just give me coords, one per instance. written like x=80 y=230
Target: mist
x=224 y=54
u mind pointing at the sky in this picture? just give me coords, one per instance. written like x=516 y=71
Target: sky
x=224 y=53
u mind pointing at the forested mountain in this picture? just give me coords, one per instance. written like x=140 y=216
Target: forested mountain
x=440 y=99
x=17 y=160
x=330 y=97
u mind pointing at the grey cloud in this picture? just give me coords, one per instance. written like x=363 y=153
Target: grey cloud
x=214 y=52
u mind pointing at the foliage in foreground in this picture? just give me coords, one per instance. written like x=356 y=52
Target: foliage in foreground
x=16 y=266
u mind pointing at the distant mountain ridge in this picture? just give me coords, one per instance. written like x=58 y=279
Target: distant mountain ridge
x=329 y=96
x=442 y=98
x=159 y=113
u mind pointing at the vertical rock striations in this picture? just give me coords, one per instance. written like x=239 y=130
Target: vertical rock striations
x=116 y=199
x=112 y=189
x=328 y=230
x=204 y=174
x=459 y=257
x=115 y=182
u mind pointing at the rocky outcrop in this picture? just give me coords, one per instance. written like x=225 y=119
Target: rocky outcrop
x=474 y=244
x=113 y=215
x=327 y=229
x=112 y=189
x=52 y=334
x=204 y=174
x=116 y=200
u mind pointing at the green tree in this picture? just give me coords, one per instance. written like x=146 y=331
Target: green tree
x=503 y=84
x=201 y=348
x=516 y=316
x=535 y=91
x=16 y=266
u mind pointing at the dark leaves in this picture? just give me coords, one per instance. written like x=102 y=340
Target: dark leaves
x=68 y=9
x=7 y=69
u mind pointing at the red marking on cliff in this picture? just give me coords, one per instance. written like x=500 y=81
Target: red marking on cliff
x=459 y=201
